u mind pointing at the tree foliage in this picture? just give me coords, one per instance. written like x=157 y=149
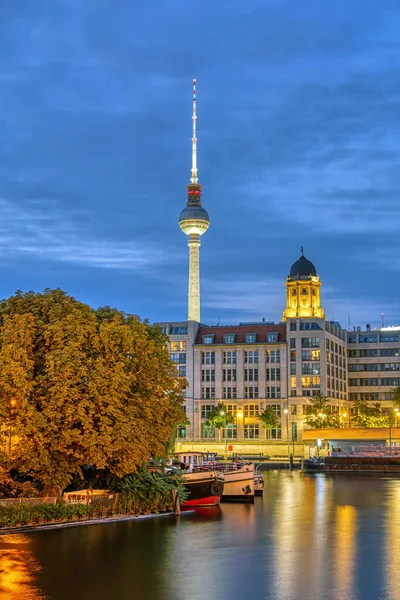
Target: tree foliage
x=396 y=396
x=319 y=414
x=80 y=386
x=218 y=417
x=368 y=415
x=269 y=420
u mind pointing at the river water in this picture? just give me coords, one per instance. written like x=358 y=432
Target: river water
x=310 y=537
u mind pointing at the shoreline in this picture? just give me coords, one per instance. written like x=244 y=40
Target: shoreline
x=83 y=522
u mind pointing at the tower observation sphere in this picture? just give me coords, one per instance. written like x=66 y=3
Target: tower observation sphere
x=194 y=221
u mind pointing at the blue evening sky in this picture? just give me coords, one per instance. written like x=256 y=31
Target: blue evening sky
x=299 y=144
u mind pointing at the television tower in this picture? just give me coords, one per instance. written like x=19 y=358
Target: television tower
x=194 y=221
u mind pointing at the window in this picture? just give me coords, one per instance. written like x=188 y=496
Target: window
x=251 y=432
x=251 y=357
x=251 y=374
x=229 y=432
x=179 y=357
x=389 y=338
x=276 y=434
x=310 y=342
x=229 y=358
x=273 y=356
x=304 y=291
x=272 y=338
x=229 y=375
x=181 y=432
x=293 y=342
x=178 y=330
x=309 y=326
x=231 y=409
x=229 y=392
x=163 y=329
x=293 y=382
x=293 y=368
x=293 y=355
x=205 y=410
x=251 y=338
x=293 y=409
x=208 y=339
x=208 y=374
x=367 y=339
x=251 y=392
x=293 y=324
x=229 y=338
x=178 y=346
x=208 y=358
x=307 y=382
x=273 y=374
x=182 y=371
x=273 y=392
x=277 y=409
x=390 y=352
x=207 y=392
x=251 y=411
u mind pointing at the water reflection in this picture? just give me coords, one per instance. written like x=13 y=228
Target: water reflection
x=310 y=536
x=17 y=569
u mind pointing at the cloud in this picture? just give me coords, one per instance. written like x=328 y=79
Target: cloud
x=42 y=231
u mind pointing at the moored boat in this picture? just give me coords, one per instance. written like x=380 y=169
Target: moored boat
x=238 y=482
x=205 y=488
x=258 y=484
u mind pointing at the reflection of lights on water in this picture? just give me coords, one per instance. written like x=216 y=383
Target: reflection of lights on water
x=392 y=530
x=345 y=549
x=17 y=569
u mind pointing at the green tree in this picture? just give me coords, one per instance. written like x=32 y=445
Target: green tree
x=396 y=396
x=90 y=387
x=269 y=420
x=218 y=418
x=319 y=414
x=368 y=415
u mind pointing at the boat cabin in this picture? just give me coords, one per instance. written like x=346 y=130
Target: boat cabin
x=195 y=459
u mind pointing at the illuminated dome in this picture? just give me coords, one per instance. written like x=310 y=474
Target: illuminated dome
x=302 y=268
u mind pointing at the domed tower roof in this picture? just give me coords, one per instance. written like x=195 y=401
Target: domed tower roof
x=302 y=268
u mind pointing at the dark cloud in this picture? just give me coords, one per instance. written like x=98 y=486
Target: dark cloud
x=299 y=119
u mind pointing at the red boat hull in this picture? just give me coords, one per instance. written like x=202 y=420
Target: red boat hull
x=209 y=501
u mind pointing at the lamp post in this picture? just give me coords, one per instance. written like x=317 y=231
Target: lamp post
x=392 y=412
x=239 y=415
x=223 y=414
x=286 y=411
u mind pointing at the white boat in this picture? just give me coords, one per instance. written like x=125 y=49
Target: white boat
x=238 y=482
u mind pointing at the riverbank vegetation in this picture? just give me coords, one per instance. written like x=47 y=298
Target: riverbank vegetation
x=81 y=387
x=140 y=493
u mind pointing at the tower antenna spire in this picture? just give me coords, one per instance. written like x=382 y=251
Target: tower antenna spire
x=194 y=178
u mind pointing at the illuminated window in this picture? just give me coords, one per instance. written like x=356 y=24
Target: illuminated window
x=231 y=409
x=178 y=346
x=251 y=432
x=315 y=354
x=251 y=411
x=293 y=382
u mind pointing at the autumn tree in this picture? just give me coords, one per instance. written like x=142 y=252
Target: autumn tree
x=269 y=420
x=89 y=387
x=319 y=413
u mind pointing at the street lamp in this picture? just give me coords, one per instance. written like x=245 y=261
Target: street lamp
x=223 y=414
x=286 y=411
x=239 y=415
x=396 y=413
